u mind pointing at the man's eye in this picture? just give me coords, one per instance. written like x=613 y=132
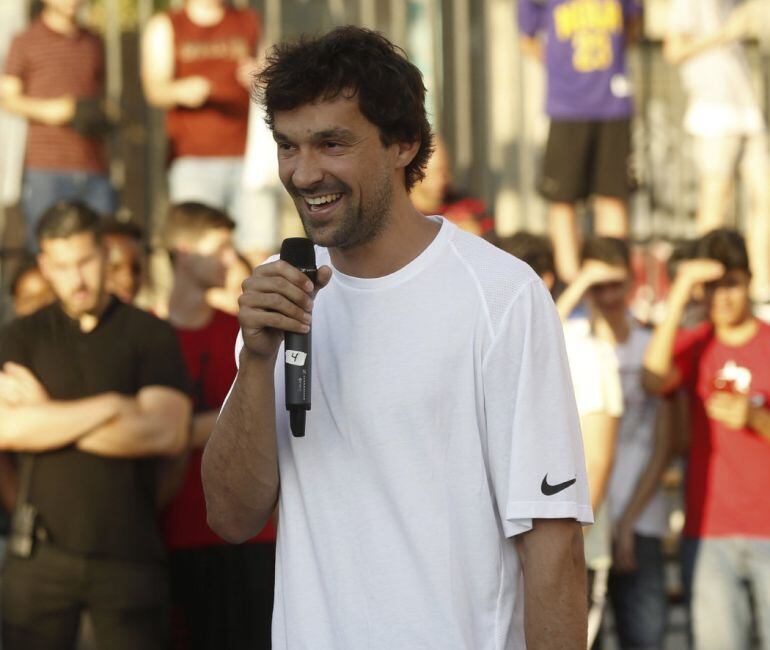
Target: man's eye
x=332 y=145
x=284 y=146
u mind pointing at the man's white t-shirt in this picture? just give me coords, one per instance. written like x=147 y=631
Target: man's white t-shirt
x=721 y=100
x=441 y=401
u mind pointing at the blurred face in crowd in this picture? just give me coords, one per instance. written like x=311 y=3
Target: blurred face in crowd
x=336 y=169
x=612 y=297
x=31 y=292
x=728 y=299
x=430 y=193
x=208 y=258
x=64 y=8
x=75 y=268
x=125 y=266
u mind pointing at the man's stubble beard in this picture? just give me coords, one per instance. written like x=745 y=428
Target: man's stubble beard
x=357 y=227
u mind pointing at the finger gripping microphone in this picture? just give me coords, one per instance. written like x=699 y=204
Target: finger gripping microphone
x=298 y=252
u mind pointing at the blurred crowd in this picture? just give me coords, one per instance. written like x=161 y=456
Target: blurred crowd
x=109 y=391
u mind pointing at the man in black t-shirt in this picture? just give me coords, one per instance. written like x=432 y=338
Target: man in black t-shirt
x=93 y=390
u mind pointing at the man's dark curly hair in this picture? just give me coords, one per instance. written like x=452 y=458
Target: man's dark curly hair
x=357 y=62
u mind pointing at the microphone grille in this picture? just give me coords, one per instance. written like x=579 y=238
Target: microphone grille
x=299 y=252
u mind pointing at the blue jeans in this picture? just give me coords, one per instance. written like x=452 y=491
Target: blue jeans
x=639 y=598
x=43 y=188
x=716 y=572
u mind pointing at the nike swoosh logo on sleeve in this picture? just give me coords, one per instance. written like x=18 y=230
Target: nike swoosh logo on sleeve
x=549 y=490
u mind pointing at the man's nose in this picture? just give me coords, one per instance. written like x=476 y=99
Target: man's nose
x=307 y=171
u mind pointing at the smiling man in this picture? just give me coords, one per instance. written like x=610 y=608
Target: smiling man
x=436 y=499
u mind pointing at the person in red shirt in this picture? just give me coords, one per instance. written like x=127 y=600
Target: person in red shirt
x=197 y=64
x=221 y=594
x=723 y=366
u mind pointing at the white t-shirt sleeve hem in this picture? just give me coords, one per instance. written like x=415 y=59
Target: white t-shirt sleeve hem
x=519 y=516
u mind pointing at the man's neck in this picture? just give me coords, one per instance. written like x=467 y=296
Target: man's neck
x=740 y=334
x=407 y=234
x=58 y=22
x=613 y=327
x=204 y=13
x=187 y=306
x=87 y=322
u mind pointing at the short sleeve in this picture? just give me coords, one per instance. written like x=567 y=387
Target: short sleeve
x=534 y=445
x=15 y=61
x=531 y=16
x=162 y=363
x=681 y=17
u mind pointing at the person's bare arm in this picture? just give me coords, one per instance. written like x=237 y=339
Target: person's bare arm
x=240 y=465
x=157 y=70
x=31 y=421
x=155 y=424
x=646 y=486
x=172 y=472
x=54 y=112
x=555 y=604
x=591 y=273
x=202 y=426
x=600 y=432
x=660 y=376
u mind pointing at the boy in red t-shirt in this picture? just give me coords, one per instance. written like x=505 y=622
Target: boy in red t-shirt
x=222 y=595
x=723 y=365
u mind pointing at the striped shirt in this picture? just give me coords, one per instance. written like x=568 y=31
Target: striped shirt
x=51 y=65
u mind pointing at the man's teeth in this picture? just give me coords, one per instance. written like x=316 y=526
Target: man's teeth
x=322 y=200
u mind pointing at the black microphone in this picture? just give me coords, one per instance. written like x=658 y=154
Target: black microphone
x=298 y=252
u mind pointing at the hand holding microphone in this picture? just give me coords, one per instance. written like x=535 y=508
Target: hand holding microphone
x=277 y=298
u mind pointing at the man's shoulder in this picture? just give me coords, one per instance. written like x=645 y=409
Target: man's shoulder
x=497 y=275
x=28 y=36
x=490 y=264
x=32 y=323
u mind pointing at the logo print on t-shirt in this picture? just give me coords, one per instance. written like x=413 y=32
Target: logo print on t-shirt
x=733 y=378
x=549 y=490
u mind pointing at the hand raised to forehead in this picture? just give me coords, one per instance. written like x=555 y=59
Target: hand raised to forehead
x=701 y=271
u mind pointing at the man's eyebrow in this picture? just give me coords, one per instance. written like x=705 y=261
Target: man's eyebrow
x=340 y=132
x=279 y=137
x=333 y=133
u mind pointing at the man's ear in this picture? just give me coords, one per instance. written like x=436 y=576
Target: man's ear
x=405 y=152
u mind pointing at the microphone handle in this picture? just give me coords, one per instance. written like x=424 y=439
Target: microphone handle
x=297 y=365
